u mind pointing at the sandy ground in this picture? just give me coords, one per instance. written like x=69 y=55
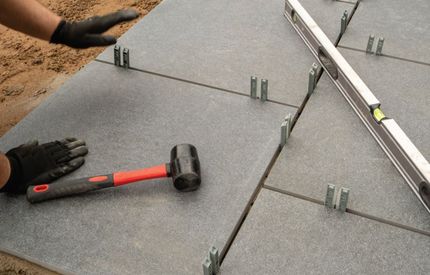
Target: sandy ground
x=31 y=70
x=10 y=265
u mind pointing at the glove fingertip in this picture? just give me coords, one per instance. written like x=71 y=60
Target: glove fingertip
x=69 y=139
x=110 y=40
x=75 y=163
x=75 y=144
x=79 y=151
x=128 y=14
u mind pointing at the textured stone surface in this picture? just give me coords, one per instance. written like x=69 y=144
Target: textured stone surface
x=405 y=98
x=330 y=144
x=222 y=43
x=404 y=25
x=132 y=120
x=285 y=235
x=327 y=14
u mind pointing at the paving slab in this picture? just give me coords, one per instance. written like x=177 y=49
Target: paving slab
x=223 y=43
x=286 y=235
x=330 y=144
x=131 y=120
x=403 y=24
x=327 y=14
x=405 y=98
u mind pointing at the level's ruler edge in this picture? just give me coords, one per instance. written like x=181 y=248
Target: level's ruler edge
x=411 y=164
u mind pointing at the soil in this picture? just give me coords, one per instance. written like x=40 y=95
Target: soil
x=31 y=70
x=10 y=265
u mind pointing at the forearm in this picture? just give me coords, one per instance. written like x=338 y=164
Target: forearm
x=29 y=17
x=4 y=169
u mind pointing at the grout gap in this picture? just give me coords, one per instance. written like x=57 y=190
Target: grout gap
x=339 y=37
x=197 y=83
x=388 y=222
x=388 y=56
x=321 y=71
x=359 y=50
x=292 y=194
x=350 y=211
x=249 y=205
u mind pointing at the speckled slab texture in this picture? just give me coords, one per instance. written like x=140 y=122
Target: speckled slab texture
x=223 y=43
x=327 y=14
x=403 y=24
x=286 y=235
x=189 y=82
x=330 y=144
x=132 y=120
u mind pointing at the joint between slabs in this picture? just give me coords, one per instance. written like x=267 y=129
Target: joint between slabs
x=350 y=211
x=248 y=207
x=197 y=84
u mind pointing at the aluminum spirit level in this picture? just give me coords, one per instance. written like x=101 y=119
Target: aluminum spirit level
x=412 y=165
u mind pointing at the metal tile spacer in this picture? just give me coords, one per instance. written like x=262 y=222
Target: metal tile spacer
x=315 y=67
x=343 y=201
x=380 y=45
x=126 y=58
x=214 y=257
x=117 y=55
x=253 y=87
x=312 y=80
x=343 y=22
x=207 y=267
x=370 y=44
x=285 y=130
x=345 y=13
x=264 y=89
x=330 y=196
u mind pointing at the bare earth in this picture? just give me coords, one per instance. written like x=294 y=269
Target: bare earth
x=31 y=70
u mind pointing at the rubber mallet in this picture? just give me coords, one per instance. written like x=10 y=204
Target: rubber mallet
x=184 y=169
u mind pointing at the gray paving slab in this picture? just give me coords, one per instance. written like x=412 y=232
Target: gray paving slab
x=405 y=98
x=286 y=235
x=327 y=14
x=223 y=43
x=404 y=26
x=131 y=120
x=329 y=144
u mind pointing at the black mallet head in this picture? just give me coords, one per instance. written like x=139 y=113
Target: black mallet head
x=185 y=167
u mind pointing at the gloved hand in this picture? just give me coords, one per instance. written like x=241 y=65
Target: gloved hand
x=33 y=164
x=88 y=33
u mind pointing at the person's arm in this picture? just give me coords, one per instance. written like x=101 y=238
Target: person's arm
x=29 y=17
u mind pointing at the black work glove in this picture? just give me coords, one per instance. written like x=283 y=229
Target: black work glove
x=88 y=33
x=33 y=164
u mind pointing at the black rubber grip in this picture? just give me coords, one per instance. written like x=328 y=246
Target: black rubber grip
x=39 y=193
